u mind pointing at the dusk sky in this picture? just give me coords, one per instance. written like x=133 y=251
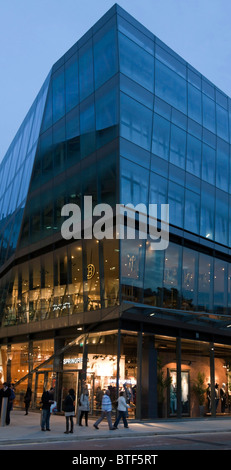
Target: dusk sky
x=36 y=33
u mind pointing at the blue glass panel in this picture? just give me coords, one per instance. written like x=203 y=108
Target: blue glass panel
x=176 y=204
x=207 y=211
x=220 y=287
x=170 y=86
x=194 y=103
x=208 y=88
x=192 y=212
x=158 y=165
x=137 y=36
x=176 y=174
x=208 y=164
x=160 y=138
x=136 y=122
x=87 y=115
x=208 y=113
x=158 y=189
x=205 y=282
x=86 y=85
x=221 y=99
x=222 y=167
x=136 y=63
x=193 y=161
x=134 y=153
x=106 y=106
x=222 y=213
x=194 y=78
x=172 y=62
x=47 y=119
x=105 y=57
x=58 y=95
x=139 y=93
x=134 y=183
x=177 y=146
x=72 y=123
x=162 y=108
x=222 y=122
x=71 y=83
x=179 y=119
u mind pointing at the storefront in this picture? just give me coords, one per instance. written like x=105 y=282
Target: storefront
x=162 y=376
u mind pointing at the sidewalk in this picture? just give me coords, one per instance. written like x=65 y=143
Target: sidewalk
x=26 y=429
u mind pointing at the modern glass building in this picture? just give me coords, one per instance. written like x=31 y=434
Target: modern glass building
x=124 y=119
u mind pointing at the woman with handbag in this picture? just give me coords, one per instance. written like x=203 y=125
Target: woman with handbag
x=84 y=407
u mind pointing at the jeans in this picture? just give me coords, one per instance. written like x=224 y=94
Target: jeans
x=104 y=414
x=83 y=413
x=122 y=414
x=69 y=418
x=46 y=419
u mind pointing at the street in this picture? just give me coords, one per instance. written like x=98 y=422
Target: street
x=179 y=442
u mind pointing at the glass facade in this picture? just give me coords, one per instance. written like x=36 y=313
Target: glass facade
x=123 y=119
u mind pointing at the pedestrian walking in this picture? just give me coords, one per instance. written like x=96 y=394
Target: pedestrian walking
x=122 y=409
x=84 y=407
x=69 y=408
x=47 y=400
x=27 y=399
x=106 y=411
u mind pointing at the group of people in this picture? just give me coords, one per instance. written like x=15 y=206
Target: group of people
x=47 y=402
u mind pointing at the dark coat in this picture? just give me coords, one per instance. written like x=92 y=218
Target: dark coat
x=47 y=400
x=69 y=403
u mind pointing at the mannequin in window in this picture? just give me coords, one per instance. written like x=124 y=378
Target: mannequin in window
x=208 y=392
x=223 y=398
x=216 y=396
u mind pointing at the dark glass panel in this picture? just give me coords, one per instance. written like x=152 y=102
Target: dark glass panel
x=176 y=204
x=194 y=103
x=189 y=279
x=209 y=119
x=134 y=183
x=192 y=212
x=58 y=95
x=71 y=83
x=222 y=165
x=105 y=57
x=86 y=85
x=132 y=269
x=220 y=286
x=172 y=276
x=207 y=211
x=153 y=277
x=205 y=283
x=222 y=122
x=208 y=164
x=221 y=221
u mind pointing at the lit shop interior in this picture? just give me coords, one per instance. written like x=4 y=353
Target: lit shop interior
x=36 y=364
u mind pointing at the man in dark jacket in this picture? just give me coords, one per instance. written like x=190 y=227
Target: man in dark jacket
x=47 y=400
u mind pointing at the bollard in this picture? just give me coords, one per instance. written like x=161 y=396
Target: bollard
x=4 y=410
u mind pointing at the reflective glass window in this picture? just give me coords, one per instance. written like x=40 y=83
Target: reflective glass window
x=47 y=118
x=72 y=123
x=135 y=34
x=132 y=269
x=58 y=95
x=153 y=280
x=208 y=164
x=209 y=119
x=160 y=137
x=193 y=161
x=170 y=86
x=176 y=204
x=189 y=278
x=105 y=63
x=177 y=146
x=86 y=85
x=158 y=189
x=71 y=83
x=222 y=165
x=106 y=106
x=87 y=115
x=207 y=211
x=168 y=58
x=134 y=183
x=221 y=221
x=222 y=122
x=194 y=103
x=205 y=282
x=136 y=63
x=136 y=91
x=220 y=287
x=172 y=276
x=136 y=122
x=194 y=78
x=134 y=153
x=192 y=211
